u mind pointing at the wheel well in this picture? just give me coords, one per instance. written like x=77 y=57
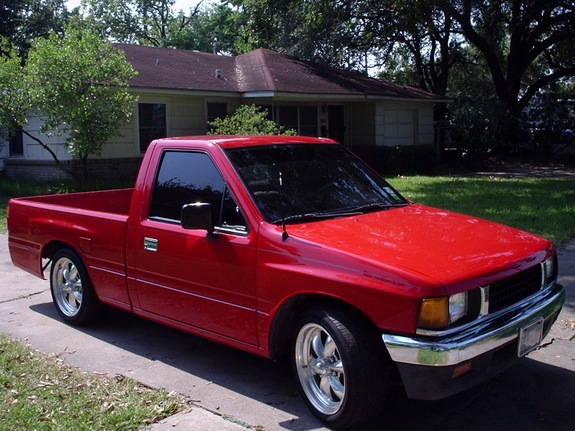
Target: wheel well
x=287 y=317
x=54 y=247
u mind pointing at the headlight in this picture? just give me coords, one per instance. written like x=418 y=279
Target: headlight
x=457 y=306
x=439 y=313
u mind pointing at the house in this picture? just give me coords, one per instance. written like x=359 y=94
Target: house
x=180 y=92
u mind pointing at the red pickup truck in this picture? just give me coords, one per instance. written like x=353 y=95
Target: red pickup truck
x=292 y=246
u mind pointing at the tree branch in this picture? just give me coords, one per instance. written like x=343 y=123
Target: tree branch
x=65 y=169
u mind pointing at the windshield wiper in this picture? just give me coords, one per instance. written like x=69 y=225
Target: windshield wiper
x=377 y=206
x=317 y=216
x=344 y=212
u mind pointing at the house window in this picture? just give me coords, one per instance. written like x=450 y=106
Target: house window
x=216 y=110
x=17 y=143
x=269 y=109
x=303 y=119
x=307 y=121
x=152 y=123
x=288 y=117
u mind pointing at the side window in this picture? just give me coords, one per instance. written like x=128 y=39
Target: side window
x=231 y=215
x=186 y=177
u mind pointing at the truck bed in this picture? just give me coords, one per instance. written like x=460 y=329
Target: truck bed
x=108 y=201
x=92 y=223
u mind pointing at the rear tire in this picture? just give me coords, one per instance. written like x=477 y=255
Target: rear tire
x=72 y=291
x=341 y=370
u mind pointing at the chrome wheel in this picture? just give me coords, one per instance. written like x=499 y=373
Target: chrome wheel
x=320 y=369
x=72 y=290
x=340 y=365
x=67 y=287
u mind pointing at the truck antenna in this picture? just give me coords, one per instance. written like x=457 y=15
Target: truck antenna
x=282 y=198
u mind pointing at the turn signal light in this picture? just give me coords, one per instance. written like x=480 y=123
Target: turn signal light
x=440 y=313
x=434 y=313
x=461 y=370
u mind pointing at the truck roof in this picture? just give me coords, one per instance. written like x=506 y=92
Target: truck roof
x=245 y=141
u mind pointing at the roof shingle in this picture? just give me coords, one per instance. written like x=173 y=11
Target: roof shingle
x=256 y=71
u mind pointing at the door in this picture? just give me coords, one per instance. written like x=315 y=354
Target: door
x=206 y=281
x=336 y=123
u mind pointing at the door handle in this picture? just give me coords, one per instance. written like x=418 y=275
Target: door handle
x=150 y=244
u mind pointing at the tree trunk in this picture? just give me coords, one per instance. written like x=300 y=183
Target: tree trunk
x=64 y=168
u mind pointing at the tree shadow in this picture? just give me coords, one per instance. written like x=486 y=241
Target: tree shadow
x=530 y=395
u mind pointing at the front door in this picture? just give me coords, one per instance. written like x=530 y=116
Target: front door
x=336 y=123
x=207 y=282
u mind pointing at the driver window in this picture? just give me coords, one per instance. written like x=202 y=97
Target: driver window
x=187 y=177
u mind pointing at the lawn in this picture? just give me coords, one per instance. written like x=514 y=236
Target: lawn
x=544 y=206
x=41 y=392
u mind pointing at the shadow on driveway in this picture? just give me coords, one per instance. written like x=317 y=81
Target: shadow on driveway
x=531 y=395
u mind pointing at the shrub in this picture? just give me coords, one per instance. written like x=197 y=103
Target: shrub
x=412 y=159
x=248 y=120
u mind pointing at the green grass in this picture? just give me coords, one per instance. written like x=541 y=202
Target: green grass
x=544 y=206
x=40 y=392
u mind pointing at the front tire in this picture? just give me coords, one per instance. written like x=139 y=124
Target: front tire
x=341 y=370
x=72 y=291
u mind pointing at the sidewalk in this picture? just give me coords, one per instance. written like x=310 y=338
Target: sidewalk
x=232 y=390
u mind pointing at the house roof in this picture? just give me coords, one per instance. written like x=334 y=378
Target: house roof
x=258 y=71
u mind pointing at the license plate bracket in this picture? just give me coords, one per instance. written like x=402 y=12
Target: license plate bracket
x=530 y=337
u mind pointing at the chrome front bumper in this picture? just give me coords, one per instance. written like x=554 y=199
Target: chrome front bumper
x=427 y=362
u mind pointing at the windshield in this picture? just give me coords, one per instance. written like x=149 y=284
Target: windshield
x=292 y=183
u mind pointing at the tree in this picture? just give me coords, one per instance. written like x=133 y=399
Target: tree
x=248 y=120
x=14 y=99
x=526 y=45
x=22 y=21
x=322 y=31
x=158 y=23
x=413 y=43
x=215 y=25
x=523 y=46
x=78 y=83
x=11 y=18
x=145 y=22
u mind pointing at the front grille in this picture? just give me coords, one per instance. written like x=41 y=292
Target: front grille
x=515 y=288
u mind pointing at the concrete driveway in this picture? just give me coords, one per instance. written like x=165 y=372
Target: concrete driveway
x=232 y=390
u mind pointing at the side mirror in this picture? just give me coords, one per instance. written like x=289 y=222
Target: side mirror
x=197 y=216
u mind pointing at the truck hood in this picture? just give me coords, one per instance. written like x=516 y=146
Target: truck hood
x=458 y=251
